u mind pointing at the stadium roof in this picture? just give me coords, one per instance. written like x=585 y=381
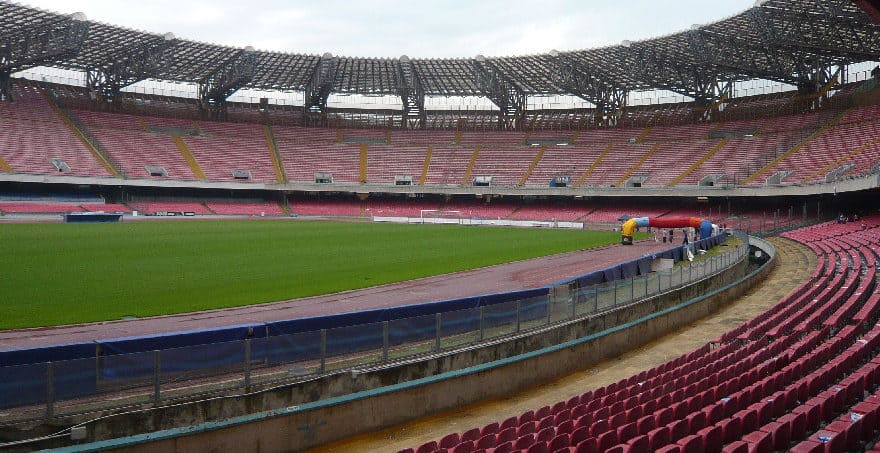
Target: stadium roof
x=789 y=41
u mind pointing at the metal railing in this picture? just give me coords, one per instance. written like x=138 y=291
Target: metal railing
x=45 y=390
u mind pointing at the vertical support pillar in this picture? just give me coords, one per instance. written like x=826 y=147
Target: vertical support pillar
x=437 y=325
x=518 y=317
x=482 y=317
x=157 y=373
x=323 y=351
x=385 y=340
x=50 y=389
x=247 y=364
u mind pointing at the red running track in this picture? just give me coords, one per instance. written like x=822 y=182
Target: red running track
x=515 y=276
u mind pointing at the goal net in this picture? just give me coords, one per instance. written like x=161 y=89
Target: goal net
x=440 y=216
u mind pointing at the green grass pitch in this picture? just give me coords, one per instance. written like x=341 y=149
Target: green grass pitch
x=54 y=274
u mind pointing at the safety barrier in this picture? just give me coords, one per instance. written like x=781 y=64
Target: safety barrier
x=41 y=383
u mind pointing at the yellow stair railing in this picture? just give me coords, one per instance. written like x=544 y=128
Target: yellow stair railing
x=531 y=168
x=362 y=170
x=637 y=165
x=425 y=166
x=641 y=137
x=843 y=159
x=796 y=148
x=75 y=130
x=457 y=139
x=5 y=167
x=277 y=163
x=595 y=164
x=188 y=157
x=467 y=173
x=699 y=162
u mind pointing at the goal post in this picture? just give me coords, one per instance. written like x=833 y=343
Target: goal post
x=440 y=216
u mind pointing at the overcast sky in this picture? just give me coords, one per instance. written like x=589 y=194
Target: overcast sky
x=417 y=28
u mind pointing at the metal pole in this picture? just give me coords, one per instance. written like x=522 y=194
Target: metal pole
x=595 y=298
x=384 y=340
x=157 y=371
x=548 y=310
x=615 y=293
x=482 y=327
x=437 y=325
x=247 y=363
x=518 y=306
x=323 y=351
x=50 y=389
x=632 y=289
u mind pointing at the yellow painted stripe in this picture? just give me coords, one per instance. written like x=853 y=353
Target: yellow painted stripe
x=531 y=168
x=574 y=137
x=188 y=157
x=99 y=156
x=425 y=166
x=362 y=171
x=641 y=137
x=843 y=159
x=595 y=164
x=457 y=139
x=701 y=161
x=5 y=167
x=797 y=147
x=277 y=164
x=637 y=165
x=467 y=173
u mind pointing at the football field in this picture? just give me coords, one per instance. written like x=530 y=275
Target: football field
x=54 y=274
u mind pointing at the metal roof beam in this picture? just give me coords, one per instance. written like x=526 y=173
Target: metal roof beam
x=608 y=97
x=510 y=99
x=36 y=46
x=226 y=80
x=321 y=85
x=411 y=94
x=140 y=63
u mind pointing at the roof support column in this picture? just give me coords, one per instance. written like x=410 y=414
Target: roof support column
x=411 y=94
x=511 y=101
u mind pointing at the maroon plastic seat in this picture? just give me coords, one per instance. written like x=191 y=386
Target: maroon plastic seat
x=780 y=432
x=659 y=437
x=645 y=424
x=626 y=432
x=524 y=442
x=538 y=447
x=759 y=441
x=427 y=447
x=450 y=440
x=588 y=445
x=731 y=428
x=678 y=429
x=736 y=447
x=606 y=440
x=559 y=442
x=506 y=435
x=464 y=447
x=579 y=435
x=712 y=438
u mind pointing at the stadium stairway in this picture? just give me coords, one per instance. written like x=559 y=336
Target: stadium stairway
x=465 y=180
x=426 y=166
x=5 y=167
x=593 y=166
x=532 y=166
x=188 y=157
x=642 y=160
x=803 y=143
x=842 y=160
x=804 y=375
x=80 y=132
x=277 y=164
x=697 y=164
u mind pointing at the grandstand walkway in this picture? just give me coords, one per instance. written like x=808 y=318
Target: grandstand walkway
x=795 y=265
x=515 y=276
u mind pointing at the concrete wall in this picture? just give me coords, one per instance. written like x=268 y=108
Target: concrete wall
x=300 y=416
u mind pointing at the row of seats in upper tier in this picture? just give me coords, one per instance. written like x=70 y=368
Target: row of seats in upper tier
x=33 y=134
x=803 y=376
